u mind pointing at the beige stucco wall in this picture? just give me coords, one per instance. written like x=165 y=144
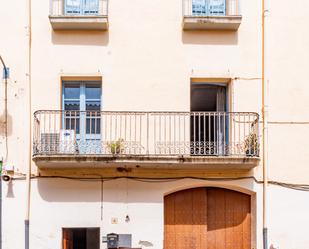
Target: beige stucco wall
x=288 y=45
x=145 y=61
x=143 y=64
x=57 y=204
x=13 y=49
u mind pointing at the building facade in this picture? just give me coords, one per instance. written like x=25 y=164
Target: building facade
x=173 y=124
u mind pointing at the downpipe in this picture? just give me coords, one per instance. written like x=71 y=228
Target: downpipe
x=265 y=125
x=28 y=173
x=6 y=139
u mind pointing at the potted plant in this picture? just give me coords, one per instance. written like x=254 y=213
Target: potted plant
x=251 y=145
x=116 y=147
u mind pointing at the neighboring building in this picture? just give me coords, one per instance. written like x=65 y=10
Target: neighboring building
x=147 y=121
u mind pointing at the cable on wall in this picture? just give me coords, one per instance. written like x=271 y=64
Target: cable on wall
x=299 y=187
x=102 y=197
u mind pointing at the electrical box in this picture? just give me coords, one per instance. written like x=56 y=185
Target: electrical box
x=125 y=240
x=9 y=168
x=112 y=240
x=6 y=73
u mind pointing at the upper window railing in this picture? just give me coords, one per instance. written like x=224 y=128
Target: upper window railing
x=79 y=8
x=211 y=7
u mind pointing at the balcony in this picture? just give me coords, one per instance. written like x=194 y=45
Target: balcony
x=79 y=15
x=218 y=140
x=211 y=15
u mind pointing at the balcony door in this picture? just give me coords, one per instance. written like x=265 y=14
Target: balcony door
x=81 y=7
x=82 y=117
x=209 y=120
x=208 y=7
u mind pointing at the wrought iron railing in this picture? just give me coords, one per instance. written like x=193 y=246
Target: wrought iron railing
x=146 y=133
x=211 y=8
x=78 y=7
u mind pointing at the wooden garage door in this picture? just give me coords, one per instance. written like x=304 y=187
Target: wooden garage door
x=207 y=218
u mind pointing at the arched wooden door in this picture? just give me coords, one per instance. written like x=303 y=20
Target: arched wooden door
x=207 y=218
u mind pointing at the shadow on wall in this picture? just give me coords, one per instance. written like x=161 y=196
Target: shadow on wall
x=121 y=190
x=2 y=124
x=210 y=37
x=10 y=190
x=75 y=37
x=65 y=190
x=118 y=190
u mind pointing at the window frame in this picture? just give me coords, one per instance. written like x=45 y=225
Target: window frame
x=82 y=117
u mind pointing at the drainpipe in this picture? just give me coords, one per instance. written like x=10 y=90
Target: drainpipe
x=0 y=204
x=28 y=173
x=6 y=75
x=265 y=124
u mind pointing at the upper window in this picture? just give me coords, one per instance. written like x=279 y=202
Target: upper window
x=211 y=15
x=208 y=7
x=81 y=7
x=79 y=14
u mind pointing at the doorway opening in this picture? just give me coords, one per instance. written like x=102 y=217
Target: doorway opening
x=81 y=238
x=209 y=119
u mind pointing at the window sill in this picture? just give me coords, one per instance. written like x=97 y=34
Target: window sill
x=99 y=22
x=211 y=22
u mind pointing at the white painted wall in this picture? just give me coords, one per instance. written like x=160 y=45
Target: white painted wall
x=58 y=203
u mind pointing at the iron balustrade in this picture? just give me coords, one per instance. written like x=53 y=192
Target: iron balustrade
x=78 y=7
x=211 y=8
x=146 y=133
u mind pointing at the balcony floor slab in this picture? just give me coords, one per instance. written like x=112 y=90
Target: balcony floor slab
x=145 y=161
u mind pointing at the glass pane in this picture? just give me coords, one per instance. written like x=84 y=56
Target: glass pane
x=93 y=125
x=72 y=123
x=71 y=92
x=93 y=106
x=71 y=105
x=73 y=7
x=91 y=7
x=93 y=92
x=217 y=7
x=93 y=121
x=198 y=7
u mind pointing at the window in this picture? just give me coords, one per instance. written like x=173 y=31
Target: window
x=80 y=238
x=208 y=7
x=81 y=7
x=82 y=113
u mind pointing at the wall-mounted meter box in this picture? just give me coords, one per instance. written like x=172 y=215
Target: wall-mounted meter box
x=112 y=240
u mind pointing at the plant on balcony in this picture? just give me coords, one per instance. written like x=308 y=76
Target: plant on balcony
x=116 y=147
x=251 y=144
